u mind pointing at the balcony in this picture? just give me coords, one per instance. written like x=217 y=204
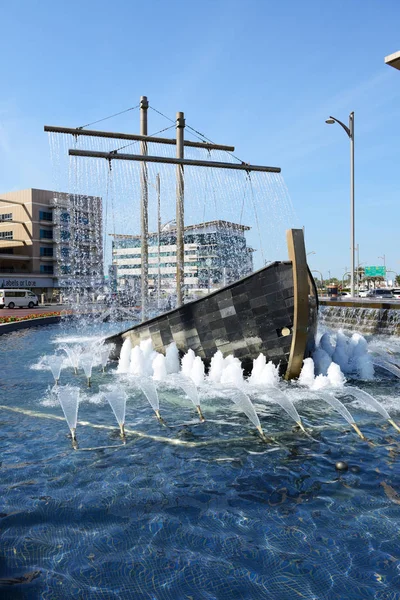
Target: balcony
x=48 y=258
x=14 y=257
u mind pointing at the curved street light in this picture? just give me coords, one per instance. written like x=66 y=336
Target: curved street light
x=350 y=132
x=320 y=274
x=347 y=273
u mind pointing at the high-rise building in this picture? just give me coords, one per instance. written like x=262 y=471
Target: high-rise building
x=50 y=240
x=216 y=253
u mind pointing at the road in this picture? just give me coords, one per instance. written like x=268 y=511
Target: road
x=22 y=312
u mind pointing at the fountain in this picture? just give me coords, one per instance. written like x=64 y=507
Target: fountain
x=340 y=407
x=387 y=366
x=104 y=356
x=137 y=364
x=216 y=367
x=243 y=402
x=117 y=400
x=159 y=367
x=125 y=357
x=149 y=390
x=287 y=405
x=172 y=358
x=55 y=363
x=188 y=386
x=69 y=399
x=372 y=402
x=87 y=366
x=74 y=353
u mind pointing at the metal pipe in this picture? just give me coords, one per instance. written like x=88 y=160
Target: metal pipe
x=180 y=209
x=135 y=137
x=174 y=161
x=144 y=211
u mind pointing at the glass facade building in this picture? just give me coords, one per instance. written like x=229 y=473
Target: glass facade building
x=216 y=253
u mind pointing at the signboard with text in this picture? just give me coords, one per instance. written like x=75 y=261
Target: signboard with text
x=25 y=282
x=375 y=271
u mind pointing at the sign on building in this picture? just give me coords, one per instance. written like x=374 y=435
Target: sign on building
x=375 y=271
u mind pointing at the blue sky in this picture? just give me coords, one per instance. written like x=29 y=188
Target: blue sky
x=259 y=74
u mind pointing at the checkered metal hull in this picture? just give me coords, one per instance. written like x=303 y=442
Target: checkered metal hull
x=251 y=316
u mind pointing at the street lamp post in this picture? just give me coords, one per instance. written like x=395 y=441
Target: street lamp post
x=350 y=132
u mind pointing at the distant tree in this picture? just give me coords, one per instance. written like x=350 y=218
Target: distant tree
x=397 y=279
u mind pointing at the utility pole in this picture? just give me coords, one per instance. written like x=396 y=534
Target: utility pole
x=144 y=211
x=180 y=217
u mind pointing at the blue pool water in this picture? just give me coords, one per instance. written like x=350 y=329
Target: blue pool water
x=217 y=515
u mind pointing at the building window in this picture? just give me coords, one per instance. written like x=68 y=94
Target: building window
x=6 y=217
x=6 y=250
x=65 y=270
x=46 y=269
x=45 y=216
x=65 y=252
x=65 y=217
x=46 y=234
x=65 y=235
x=6 y=235
x=46 y=251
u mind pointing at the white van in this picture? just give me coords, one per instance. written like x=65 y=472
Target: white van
x=14 y=298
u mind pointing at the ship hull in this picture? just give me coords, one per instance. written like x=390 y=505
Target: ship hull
x=253 y=315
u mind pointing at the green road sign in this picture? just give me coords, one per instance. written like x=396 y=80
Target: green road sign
x=375 y=271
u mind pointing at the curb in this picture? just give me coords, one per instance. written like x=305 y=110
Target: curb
x=10 y=327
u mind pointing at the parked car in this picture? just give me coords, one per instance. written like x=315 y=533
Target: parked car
x=15 y=298
x=345 y=294
x=380 y=293
x=363 y=293
x=396 y=292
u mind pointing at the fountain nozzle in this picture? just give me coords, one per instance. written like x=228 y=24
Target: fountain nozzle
x=159 y=417
x=89 y=382
x=74 y=440
x=354 y=426
x=262 y=434
x=300 y=424
x=56 y=382
x=122 y=430
x=397 y=428
x=201 y=416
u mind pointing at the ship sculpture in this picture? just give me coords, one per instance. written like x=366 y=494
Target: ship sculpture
x=272 y=311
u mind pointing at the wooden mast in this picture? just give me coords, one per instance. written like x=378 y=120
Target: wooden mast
x=144 y=212
x=180 y=208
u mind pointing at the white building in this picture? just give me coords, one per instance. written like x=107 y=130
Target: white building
x=216 y=253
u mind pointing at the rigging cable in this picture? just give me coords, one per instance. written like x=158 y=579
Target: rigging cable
x=137 y=141
x=110 y=117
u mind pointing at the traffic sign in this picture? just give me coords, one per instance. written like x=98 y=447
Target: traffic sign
x=375 y=271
